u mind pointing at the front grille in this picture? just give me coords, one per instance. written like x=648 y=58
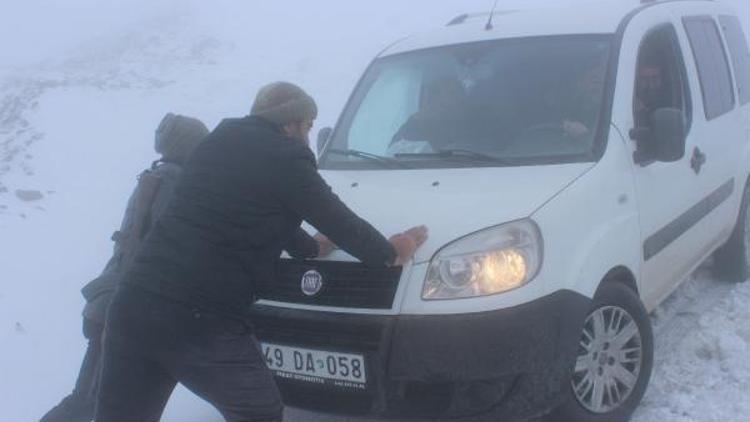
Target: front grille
x=345 y=284
x=327 y=331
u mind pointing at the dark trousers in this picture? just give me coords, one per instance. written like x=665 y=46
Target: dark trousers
x=151 y=344
x=79 y=405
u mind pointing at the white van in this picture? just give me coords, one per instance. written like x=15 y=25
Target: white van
x=573 y=167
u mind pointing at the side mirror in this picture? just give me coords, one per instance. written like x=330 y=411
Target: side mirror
x=665 y=140
x=323 y=135
x=668 y=134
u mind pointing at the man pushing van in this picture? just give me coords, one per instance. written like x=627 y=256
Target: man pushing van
x=181 y=312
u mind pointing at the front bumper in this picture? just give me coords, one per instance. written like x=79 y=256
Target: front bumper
x=508 y=364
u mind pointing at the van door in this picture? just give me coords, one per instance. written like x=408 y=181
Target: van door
x=717 y=124
x=737 y=47
x=675 y=199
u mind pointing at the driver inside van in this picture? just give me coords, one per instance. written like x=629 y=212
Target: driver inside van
x=650 y=93
x=583 y=107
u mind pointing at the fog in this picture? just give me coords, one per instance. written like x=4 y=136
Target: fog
x=43 y=30
x=35 y=31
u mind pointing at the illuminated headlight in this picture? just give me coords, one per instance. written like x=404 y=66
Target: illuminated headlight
x=485 y=263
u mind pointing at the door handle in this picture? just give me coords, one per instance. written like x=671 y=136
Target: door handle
x=698 y=160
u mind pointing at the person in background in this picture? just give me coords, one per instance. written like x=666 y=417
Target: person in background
x=182 y=313
x=176 y=138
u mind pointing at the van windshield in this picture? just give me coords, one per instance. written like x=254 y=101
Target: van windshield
x=499 y=103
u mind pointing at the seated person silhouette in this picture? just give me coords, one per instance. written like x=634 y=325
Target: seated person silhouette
x=566 y=112
x=650 y=93
x=582 y=109
x=437 y=124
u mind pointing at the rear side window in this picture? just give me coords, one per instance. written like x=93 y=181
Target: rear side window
x=713 y=68
x=737 y=42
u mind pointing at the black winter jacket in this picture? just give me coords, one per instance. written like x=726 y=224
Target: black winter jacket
x=240 y=201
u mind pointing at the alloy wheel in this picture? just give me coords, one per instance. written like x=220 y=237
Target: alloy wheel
x=610 y=357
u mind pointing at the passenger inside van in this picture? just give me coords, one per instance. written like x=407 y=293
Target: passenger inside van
x=436 y=124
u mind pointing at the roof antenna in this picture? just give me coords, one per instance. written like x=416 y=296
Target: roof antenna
x=489 y=26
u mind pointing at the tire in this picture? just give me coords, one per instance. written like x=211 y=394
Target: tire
x=732 y=260
x=614 y=302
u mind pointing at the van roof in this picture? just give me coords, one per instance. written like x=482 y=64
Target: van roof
x=593 y=17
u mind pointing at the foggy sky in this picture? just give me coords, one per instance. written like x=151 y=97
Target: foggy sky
x=35 y=30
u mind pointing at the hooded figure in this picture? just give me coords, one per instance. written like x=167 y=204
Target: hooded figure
x=177 y=136
x=175 y=139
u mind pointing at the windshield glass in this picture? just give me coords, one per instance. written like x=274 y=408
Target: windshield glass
x=510 y=102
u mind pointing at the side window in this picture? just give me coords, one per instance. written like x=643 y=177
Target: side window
x=713 y=68
x=661 y=80
x=737 y=42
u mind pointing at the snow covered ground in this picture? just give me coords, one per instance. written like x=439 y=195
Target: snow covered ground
x=82 y=87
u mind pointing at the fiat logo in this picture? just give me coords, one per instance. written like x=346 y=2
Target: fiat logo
x=312 y=283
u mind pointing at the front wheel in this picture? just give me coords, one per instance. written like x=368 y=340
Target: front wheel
x=614 y=361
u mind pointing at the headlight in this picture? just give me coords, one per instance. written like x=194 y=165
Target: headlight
x=485 y=263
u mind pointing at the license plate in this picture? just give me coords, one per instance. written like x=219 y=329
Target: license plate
x=343 y=370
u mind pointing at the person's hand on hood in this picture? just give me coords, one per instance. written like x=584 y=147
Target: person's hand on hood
x=407 y=243
x=325 y=245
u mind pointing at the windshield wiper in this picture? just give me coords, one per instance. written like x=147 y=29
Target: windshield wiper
x=367 y=156
x=456 y=153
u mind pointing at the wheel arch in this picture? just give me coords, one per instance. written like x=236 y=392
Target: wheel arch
x=622 y=275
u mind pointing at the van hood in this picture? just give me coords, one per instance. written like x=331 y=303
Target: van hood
x=451 y=203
